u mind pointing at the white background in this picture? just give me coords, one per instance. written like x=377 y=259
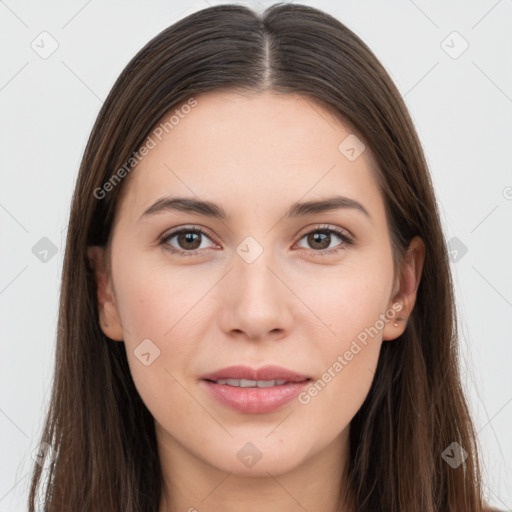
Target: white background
x=462 y=109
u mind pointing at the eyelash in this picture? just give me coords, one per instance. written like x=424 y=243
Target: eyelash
x=343 y=235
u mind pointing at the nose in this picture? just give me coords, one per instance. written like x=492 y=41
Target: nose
x=256 y=303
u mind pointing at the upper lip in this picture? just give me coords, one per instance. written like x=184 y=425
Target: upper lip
x=269 y=372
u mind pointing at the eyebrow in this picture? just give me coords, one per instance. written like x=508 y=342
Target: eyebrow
x=209 y=209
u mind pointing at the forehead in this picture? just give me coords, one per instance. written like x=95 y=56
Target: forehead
x=266 y=149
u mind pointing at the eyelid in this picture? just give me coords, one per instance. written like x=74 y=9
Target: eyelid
x=342 y=232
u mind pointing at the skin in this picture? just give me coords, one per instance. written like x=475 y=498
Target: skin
x=254 y=155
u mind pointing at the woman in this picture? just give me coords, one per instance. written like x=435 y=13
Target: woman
x=257 y=308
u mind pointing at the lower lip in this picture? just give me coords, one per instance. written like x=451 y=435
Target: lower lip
x=255 y=400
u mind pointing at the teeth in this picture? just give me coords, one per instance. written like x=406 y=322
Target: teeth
x=243 y=383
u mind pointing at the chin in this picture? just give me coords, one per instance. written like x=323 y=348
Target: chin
x=252 y=459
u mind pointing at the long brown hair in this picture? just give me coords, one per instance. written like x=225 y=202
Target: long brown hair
x=101 y=431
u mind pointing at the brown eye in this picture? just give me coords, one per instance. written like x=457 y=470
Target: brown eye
x=323 y=240
x=319 y=240
x=186 y=241
x=189 y=240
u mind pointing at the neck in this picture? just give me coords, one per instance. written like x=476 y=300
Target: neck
x=193 y=485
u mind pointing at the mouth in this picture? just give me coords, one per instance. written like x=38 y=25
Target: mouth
x=245 y=383
x=252 y=391
x=245 y=374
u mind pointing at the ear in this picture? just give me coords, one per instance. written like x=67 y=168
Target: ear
x=110 y=321
x=405 y=289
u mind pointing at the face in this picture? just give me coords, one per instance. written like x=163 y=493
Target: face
x=310 y=290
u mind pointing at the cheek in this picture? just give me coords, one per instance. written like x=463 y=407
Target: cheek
x=154 y=301
x=159 y=310
x=348 y=367
x=348 y=299
x=353 y=304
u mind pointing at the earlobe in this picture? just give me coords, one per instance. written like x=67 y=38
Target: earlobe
x=408 y=282
x=110 y=321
